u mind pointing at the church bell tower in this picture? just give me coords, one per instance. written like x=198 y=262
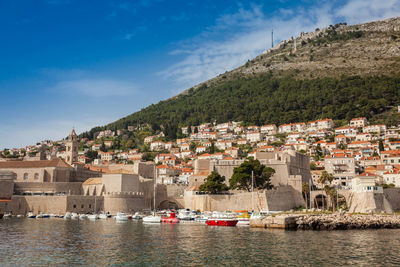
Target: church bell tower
x=72 y=148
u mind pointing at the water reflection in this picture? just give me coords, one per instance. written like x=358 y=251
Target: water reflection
x=106 y=242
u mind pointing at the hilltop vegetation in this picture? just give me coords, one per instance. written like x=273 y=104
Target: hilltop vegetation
x=340 y=72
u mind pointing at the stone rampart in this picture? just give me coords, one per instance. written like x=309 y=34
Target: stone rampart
x=56 y=188
x=279 y=199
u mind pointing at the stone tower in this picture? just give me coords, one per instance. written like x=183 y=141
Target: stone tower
x=71 y=154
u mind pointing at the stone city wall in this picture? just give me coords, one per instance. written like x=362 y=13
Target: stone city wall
x=6 y=189
x=66 y=188
x=279 y=199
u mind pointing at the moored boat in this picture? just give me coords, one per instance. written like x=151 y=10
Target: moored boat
x=83 y=216
x=74 y=216
x=93 y=217
x=171 y=219
x=31 y=215
x=103 y=216
x=243 y=218
x=152 y=219
x=121 y=217
x=7 y=215
x=67 y=215
x=222 y=221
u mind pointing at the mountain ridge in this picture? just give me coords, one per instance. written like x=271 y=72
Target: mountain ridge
x=352 y=57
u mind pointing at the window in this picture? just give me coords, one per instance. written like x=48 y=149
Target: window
x=25 y=176
x=82 y=206
x=90 y=206
x=74 y=206
x=36 y=176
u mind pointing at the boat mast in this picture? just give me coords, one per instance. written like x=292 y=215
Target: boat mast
x=252 y=191
x=154 y=188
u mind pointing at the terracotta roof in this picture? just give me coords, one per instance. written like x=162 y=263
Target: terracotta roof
x=367 y=174
x=57 y=162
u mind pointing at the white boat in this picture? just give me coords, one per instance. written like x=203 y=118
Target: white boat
x=20 y=216
x=7 y=215
x=185 y=215
x=31 y=215
x=74 y=216
x=67 y=215
x=39 y=216
x=138 y=216
x=82 y=216
x=93 y=217
x=103 y=216
x=121 y=217
x=152 y=219
x=243 y=221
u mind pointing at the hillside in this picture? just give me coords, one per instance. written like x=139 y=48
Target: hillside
x=338 y=72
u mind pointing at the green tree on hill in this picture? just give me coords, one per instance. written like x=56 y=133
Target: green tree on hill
x=214 y=184
x=241 y=178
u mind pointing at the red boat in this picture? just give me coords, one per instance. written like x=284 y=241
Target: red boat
x=222 y=222
x=171 y=219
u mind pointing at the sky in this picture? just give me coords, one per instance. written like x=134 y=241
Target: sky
x=86 y=63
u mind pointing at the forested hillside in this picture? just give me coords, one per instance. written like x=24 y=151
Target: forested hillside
x=339 y=72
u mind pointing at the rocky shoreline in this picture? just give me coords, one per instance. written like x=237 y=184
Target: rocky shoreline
x=327 y=221
x=347 y=222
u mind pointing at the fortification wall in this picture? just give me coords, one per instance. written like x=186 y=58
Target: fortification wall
x=393 y=196
x=281 y=199
x=66 y=188
x=6 y=189
x=114 y=204
x=46 y=204
x=145 y=170
x=369 y=202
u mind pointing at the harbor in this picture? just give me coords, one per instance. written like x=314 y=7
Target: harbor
x=38 y=242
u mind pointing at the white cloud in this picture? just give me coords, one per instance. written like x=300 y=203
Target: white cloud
x=236 y=38
x=357 y=11
x=86 y=83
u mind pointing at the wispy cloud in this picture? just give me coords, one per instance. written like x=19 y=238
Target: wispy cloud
x=238 y=37
x=132 y=34
x=356 y=11
x=95 y=88
x=86 y=83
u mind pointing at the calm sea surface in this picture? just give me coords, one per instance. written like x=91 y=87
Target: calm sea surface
x=38 y=242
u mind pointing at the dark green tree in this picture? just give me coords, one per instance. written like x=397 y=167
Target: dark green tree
x=214 y=184
x=381 y=147
x=91 y=154
x=241 y=178
x=103 y=147
x=148 y=156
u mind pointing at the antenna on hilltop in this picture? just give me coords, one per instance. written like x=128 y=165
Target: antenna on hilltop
x=272 y=38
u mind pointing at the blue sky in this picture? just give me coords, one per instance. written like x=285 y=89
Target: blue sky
x=70 y=63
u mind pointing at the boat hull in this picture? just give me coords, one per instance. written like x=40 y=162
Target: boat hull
x=221 y=222
x=170 y=220
x=152 y=219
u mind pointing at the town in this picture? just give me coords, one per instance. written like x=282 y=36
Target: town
x=315 y=164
